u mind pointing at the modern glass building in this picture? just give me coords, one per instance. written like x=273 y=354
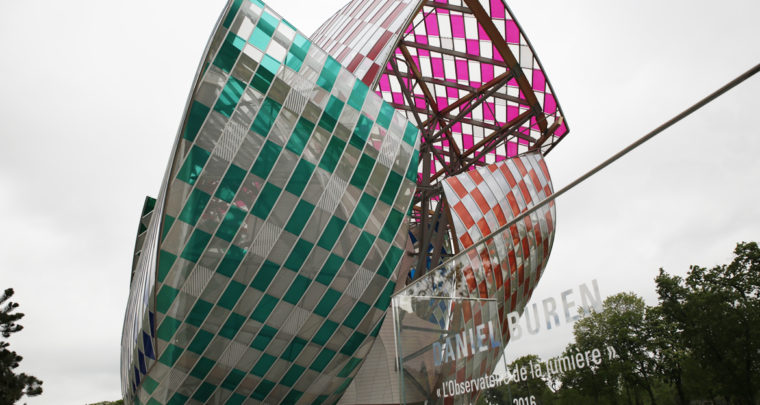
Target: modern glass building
x=314 y=178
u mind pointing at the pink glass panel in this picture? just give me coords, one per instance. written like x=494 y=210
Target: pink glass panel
x=511 y=149
x=513 y=33
x=473 y=47
x=431 y=24
x=512 y=112
x=562 y=130
x=487 y=111
x=420 y=103
x=385 y=83
x=497 y=9
x=550 y=105
x=486 y=72
x=496 y=54
x=437 y=67
x=482 y=33
x=457 y=26
x=467 y=141
x=462 y=69
x=539 y=81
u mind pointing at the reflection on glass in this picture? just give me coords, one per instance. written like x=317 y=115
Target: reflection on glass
x=447 y=348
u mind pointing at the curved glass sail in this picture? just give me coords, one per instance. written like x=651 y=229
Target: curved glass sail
x=313 y=178
x=442 y=319
x=278 y=237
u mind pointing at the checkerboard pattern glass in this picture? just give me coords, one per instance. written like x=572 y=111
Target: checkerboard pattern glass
x=267 y=264
x=294 y=202
x=504 y=268
x=508 y=265
x=442 y=48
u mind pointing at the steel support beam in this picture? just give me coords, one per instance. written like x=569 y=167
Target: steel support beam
x=449 y=117
x=461 y=86
x=452 y=52
x=501 y=46
x=496 y=83
x=480 y=98
x=549 y=132
x=447 y=6
x=496 y=139
x=430 y=99
x=497 y=136
x=415 y=113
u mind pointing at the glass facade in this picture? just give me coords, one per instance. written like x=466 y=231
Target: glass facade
x=448 y=347
x=297 y=195
x=489 y=280
x=281 y=228
x=437 y=60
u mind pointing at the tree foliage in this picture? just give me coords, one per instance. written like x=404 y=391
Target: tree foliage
x=12 y=386
x=623 y=326
x=701 y=342
x=716 y=312
x=539 y=388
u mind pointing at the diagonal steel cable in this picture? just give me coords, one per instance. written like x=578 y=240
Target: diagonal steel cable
x=685 y=113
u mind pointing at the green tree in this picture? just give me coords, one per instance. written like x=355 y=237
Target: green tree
x=597 y=384
x=717 y=312
x=701 y=342
x=12 y=386
x=532 y=386
x=622 y=325
x=671 y=357
x=538 y=387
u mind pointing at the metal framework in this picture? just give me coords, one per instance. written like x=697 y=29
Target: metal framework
x=265 y=266
x=426 y=99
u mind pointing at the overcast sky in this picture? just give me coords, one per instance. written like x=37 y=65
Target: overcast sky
x=92 y=93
